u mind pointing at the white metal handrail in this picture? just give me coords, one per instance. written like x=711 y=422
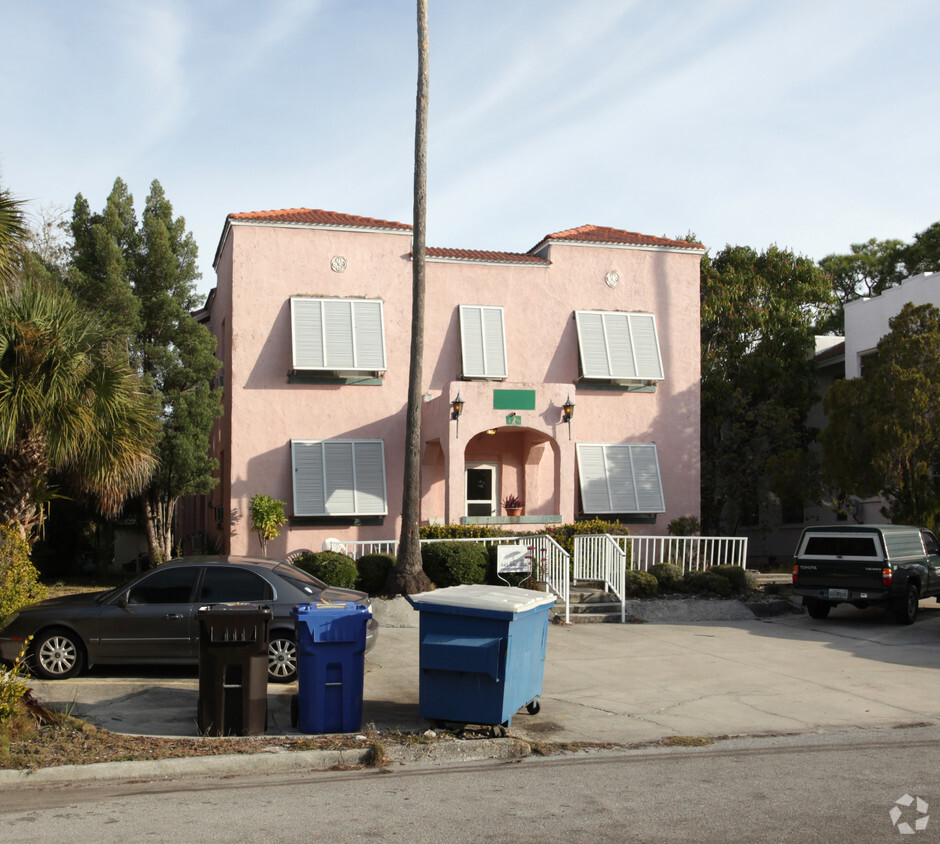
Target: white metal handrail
x=551 y=564
x=598 y=557
x=690 y=553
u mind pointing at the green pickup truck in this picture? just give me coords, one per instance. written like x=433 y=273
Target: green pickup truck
x=891 y=565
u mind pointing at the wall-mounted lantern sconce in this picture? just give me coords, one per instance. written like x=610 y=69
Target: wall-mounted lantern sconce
x=567 y=411
x=456 y=408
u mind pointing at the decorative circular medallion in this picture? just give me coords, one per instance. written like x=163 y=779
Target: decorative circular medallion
x=338 y=264
x=612 y=278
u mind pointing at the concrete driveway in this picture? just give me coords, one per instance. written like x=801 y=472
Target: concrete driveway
x=611 y=682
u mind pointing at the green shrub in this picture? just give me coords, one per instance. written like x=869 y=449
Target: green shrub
x=640 y=584
x=374 y=570
x=453 y=563
x=684 y=526
x=564 y=534
x=332 y=568
x=13 y=685
x=460 y=532
x=668 y=576
x=706 y=582
x=735 y=575
x=19 y=580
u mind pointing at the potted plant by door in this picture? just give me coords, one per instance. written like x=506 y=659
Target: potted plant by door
x=513 y=505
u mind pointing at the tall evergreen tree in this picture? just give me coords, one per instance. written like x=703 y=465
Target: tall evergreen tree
x=142 y=278
x=758 y=316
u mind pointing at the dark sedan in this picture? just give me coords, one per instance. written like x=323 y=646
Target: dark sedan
x=153 y=619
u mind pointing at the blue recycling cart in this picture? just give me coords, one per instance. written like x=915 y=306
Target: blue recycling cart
x=331 y=644
x=482 y=653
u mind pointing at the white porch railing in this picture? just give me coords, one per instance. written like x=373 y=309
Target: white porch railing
x=550 y=562
x=598 y=557
x=690 y=553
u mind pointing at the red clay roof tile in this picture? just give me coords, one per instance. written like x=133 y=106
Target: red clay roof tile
x=603 y=234
x=485 y=256
x=317 y=217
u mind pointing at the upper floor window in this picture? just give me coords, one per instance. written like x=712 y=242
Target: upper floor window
x=620 y=478
x=337 y=335
x=483 y=342
x=339 y=477
x=618 y=346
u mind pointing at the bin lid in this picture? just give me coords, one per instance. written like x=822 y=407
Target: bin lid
x=510 y=599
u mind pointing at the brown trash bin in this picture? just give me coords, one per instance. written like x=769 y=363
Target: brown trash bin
x=233 y=669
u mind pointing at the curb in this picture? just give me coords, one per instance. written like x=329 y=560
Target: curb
x=271 y=762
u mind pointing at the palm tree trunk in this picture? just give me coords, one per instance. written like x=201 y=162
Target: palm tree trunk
x=408 y=577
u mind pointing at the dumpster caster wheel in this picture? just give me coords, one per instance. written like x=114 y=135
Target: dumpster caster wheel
x=498 y=730
x=533 y=708
x=294 y=711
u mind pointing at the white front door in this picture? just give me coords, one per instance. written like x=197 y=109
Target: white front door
x=482 y=489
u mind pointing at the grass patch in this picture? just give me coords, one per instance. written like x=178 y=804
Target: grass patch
x=687 y=741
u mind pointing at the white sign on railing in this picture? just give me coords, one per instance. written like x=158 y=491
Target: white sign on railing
x=513 y=559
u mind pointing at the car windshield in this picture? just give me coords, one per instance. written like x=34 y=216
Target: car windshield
x=302 y=580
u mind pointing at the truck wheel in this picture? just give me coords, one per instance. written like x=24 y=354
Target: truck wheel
x=905 y=611
x=818 y=609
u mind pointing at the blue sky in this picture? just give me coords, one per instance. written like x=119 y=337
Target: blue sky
x=812 y=125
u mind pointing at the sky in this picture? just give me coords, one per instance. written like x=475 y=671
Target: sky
x=810 y=125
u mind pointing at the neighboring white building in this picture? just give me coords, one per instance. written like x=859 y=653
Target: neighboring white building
x=866 y=322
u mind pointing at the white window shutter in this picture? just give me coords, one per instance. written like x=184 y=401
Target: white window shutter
x=338 y=334
x=339 y=477
x=483 y=342
x=618 y=346
x=620 y=478
x=309 y=488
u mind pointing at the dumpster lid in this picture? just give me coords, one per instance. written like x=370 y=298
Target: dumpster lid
x=501 y=598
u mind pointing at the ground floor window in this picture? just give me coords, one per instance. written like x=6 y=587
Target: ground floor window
x=620 y=478
x=339 y=477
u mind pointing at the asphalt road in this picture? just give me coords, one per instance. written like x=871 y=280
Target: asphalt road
x=838 y=787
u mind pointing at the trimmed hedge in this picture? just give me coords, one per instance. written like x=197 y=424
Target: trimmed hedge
x=707 y=582
x=640 y=584
x=332 y=568
x=453 y=563
x=374 y=570
x=668 y=576
x=735 y=575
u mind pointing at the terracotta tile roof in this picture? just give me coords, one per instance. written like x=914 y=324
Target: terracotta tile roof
x=316 y=217
x=603 y=234
x=485 y=256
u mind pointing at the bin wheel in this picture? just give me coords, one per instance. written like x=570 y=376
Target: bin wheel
x=533 y=707
x=498 y=730
x=294 y=711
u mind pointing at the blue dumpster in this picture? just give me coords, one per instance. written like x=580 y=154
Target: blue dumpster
x=331 y=644
x=482 y=653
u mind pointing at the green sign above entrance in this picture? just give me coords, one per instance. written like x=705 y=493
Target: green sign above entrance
x=513 y=399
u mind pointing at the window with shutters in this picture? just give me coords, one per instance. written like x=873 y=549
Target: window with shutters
x=483 y=342
x=339 y=477
x=619 y=346
x=620 y=478
x=337 y=335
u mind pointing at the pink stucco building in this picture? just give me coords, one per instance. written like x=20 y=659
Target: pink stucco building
x=312 y=312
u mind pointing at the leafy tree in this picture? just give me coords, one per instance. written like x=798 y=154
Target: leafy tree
x=868 y=270
x=13 y=234
x=408 y=576
x=881 y=436
x=69 y=403
x=140 y=277
x=758 y=313
x=923 y=255
x=267 y=516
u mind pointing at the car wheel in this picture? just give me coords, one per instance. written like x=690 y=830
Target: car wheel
x=282 y=659
x=818 y=609
x=58 y=654
x=906 y=609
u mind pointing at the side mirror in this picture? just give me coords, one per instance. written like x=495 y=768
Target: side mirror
x=122 y=601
